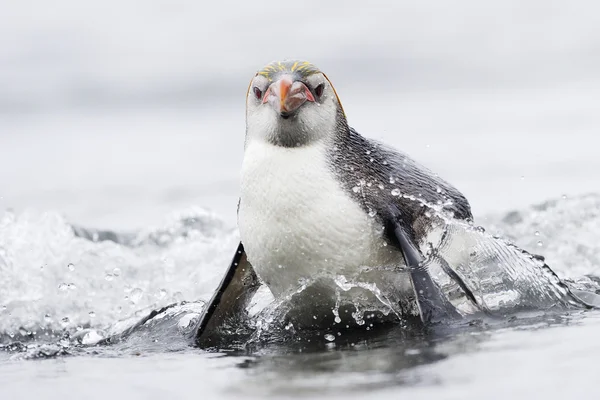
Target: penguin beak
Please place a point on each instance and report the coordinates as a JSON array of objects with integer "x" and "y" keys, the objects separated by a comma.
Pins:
[{"x": 286, "y": 96}]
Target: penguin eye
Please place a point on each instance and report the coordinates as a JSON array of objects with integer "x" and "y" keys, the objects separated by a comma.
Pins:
[
  {"x": 257, "y": 92},
  {"x": 319, "y": 90}
]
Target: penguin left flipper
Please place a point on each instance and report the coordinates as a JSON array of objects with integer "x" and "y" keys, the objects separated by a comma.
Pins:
[
  {"x": 231, "y": 298},
  {"x": 433, "y": 306}
]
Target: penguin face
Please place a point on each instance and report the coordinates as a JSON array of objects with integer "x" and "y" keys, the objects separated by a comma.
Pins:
[{"x": 291, "y": 104}]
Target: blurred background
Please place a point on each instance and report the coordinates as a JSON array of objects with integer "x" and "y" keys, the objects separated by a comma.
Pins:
[{"x": 118, "y": 112}]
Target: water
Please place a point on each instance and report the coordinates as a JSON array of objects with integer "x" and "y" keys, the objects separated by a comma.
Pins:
[
  {"x": 47, "y": 322},
  {"x": 129, "y": 120}
]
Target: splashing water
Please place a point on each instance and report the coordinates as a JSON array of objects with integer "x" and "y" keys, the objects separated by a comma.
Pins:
[
  {"x": 54, "y": 291},
  {"x": 53, "y": 277}
]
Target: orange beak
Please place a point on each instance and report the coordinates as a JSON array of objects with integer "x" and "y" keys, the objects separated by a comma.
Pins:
[
  {"x": 286, "y": 96},
  {"x": 284, "y": 89}
]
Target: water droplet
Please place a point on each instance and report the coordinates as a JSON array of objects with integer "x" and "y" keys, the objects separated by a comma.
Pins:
[
  {"x": 564, "y": 196},
  {"x": 356, "y": 189},
  {"x": 395, "y": 192},
  {"x": 337, "y": 319},
  {"x": 380, "y": 186},
  {"x": 92, "y": 314},
  {"x": 109, "y": 277},
  {"x": 136, "y": 295},
  {"x": 65, "y": 322},
  {"x": 371, "y": 159},
  {"x": 117, "y": 271},
  {"x": 392, "y": 180},
  {"x": 372, "y": 213},
  {"x": 71, "y": 286},
  {"x": 540, "y": 243},
  {"x": 522, "y": 177},
  {"x": 438, "y": 189},
  {"x": 47, "y": 318},
  {"x": 329, "y": 337},
  {"x": 537, "y": 233},
  {"x": 281, "y": 266},
  {"x": 368, "y": 152},
  {"x": 71, "y": 267},
  {"x": 63, "y": 287}
]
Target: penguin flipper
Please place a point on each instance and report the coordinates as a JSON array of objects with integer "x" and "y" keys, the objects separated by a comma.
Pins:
[
  {"x": 230, "y": 300},
  {"x": 433, "y": 306}
]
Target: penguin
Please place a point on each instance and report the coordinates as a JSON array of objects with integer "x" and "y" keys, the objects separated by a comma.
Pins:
[{"x": 318, "y": 199}]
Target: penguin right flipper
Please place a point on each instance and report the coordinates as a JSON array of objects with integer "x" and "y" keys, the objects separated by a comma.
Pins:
[
  {"x": 230, "y": 300},
  {"x": 433, "y": 305}
]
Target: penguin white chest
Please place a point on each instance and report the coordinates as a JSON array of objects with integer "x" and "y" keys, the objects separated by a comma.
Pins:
[{"x": 296, "y": 222}]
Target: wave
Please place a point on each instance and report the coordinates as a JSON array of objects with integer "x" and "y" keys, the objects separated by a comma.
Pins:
[{"x": 61, "y": 280}]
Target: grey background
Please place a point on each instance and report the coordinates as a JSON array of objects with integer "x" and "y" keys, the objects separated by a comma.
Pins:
[{"x": 118, "y": 112}]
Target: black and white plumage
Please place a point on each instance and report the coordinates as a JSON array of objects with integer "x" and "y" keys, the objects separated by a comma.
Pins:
[{"x": 317, "y": 198}]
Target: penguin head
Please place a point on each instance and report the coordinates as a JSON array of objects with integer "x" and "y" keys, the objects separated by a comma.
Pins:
[{"x": 292, "y": 104}]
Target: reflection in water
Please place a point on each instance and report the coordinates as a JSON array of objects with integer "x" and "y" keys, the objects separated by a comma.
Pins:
[{"x": 388, "y": 356}]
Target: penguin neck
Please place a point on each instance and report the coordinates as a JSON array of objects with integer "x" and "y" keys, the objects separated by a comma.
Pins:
[
  {"x": 290, "y": 137},
  {"x": 290, "y": 133}
]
